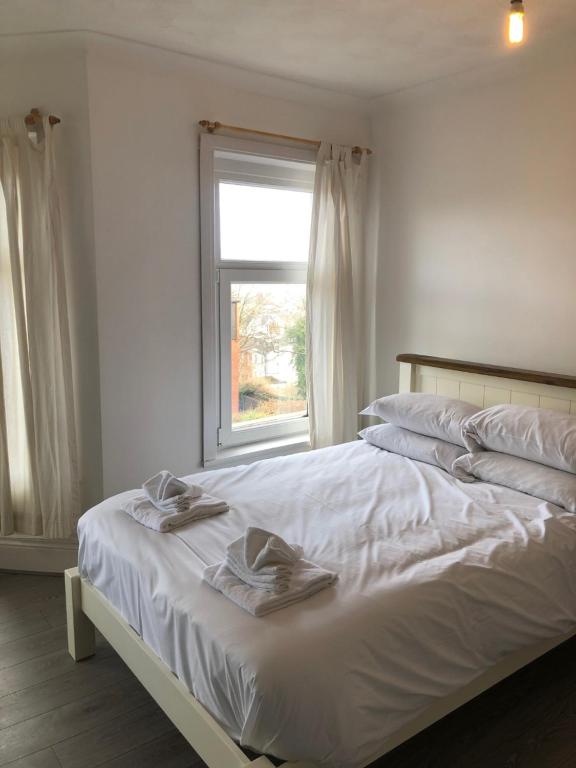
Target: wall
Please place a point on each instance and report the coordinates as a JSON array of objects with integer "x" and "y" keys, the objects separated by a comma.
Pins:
[
  {"x": 144, "y": 108},
  {"x": 48, "y": 71},
  {"x": 473, "y": 201},
  {"x": 478, "y": 217}
]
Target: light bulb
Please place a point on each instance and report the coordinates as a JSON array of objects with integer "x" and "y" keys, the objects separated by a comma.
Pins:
[{"x": 516, "y": 22}]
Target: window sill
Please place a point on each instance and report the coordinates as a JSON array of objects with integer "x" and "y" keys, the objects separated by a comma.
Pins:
[{"x": 267, "y": 449}]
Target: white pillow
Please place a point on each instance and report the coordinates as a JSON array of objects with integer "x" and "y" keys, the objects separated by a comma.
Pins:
[
  {"x": 536, "y": 434},
  {"x": 546, "y": 483},
  {"x": 431, "y": 415},
  {"x": 430, "y": 450}
]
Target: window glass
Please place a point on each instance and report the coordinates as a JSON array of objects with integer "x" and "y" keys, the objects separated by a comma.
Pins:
[
  {"x": 260, "y": 223},
  {"x": 268, "y": 354}
]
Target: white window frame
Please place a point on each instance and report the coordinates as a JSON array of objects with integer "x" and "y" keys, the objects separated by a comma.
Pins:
[{"x": 220, "y": 441}]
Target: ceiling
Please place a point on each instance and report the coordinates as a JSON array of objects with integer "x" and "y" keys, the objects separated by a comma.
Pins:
[{"x": 362, "y": 47}]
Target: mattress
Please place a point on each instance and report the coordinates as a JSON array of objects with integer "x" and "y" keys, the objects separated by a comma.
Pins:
[{"x": 438, "y": 580}]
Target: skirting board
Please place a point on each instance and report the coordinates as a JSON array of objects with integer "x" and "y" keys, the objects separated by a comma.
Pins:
[{"x": 35, "y": 554}]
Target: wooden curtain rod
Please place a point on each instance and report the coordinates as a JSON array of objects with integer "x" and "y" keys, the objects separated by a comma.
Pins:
[
  {"x": 35, "y": 118},
  {"x": 210, "y": 127}
]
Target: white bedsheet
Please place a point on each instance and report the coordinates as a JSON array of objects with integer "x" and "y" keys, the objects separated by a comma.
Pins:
[{"x": 438, "y": 580}]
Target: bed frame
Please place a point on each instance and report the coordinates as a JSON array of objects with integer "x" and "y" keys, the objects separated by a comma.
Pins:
[{"x": 87, "y": 608}]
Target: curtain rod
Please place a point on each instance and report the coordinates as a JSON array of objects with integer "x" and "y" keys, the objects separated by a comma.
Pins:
[
  {"x": 35, "y": 118},
  {"x": 210, "y": 127}
]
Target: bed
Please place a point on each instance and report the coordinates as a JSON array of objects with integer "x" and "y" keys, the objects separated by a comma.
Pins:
[{"x": 444, "y": 588}]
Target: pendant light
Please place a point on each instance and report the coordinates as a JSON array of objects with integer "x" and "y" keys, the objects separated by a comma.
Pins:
[{"x": 516, "y": 22}]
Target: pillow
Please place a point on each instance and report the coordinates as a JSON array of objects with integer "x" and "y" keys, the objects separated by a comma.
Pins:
[
  {"x": 430, "y": 450},
  {"x": 547, "y": 437},
  {"x": 546, "y": 483},
  {"x": 431, "y": 415}
]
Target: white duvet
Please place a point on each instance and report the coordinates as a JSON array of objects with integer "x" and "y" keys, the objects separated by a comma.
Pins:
[{"x": 438, "y": 580}]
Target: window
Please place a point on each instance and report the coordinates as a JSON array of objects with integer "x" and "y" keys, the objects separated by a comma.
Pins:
[{"x": 256, "y": 214}]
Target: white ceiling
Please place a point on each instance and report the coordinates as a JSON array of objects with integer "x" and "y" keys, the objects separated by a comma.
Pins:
[{"x": 362, "y": 47}]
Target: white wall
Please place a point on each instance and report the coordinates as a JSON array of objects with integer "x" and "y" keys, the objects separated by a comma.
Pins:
[
  {"x": 478, "y": 217},
  {"x": 48, "y": 71},
  {"x": 144, "y": 109},
  {"x": 474, "y": 202}
]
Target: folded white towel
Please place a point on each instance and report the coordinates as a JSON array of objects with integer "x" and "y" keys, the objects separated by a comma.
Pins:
[
  {"x": 262, "y": 559},
  {"x": 278, "y": 581},
  {"x": 144, "y": 512},
  {"x": 306, "y": 580},
  {"x": 263, "y": 549},
  {"x": 168, "y": 493}
]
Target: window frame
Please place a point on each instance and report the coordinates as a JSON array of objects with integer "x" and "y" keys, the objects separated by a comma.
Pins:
[{"x": 217, "y": 275}]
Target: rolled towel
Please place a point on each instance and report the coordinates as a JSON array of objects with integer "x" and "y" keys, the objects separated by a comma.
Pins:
[
  {"x": 145, "y": 513},
  {"x": 262, "y": 559},
  {"x": 168, "y": 493},
  {"x": 306, "y": 580}
]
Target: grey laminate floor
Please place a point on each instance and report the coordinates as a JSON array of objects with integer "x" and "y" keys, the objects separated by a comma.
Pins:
[{"x": 55, "y": 713}]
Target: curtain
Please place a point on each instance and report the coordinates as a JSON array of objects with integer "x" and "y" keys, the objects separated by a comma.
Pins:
[
  {"x": 334, "y": 296},
  {"x": 39, "y": 487}
]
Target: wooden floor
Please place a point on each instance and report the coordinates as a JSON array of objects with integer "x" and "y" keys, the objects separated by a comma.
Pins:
[{"x": 55, "y": 713}]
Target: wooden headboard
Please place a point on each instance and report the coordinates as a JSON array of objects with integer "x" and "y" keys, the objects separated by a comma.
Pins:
[{"x": 486, "y": 385}]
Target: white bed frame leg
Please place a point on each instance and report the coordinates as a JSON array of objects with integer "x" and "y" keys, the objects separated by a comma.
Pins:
[{"x": 81, "y": 633}]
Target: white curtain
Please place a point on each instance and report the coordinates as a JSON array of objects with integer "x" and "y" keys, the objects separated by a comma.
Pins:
[
  {"x": 39, "y": 493},
  {"x": 335, "y": 296}
]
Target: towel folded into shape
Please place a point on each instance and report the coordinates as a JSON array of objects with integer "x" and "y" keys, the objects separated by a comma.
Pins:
[
  {"x": 168, "y": 493},
  {"x": 198, "y": 507},
  {"x": 276, "y": 580},
  {"x": 262, "y": 550},
  {"x": 306, "y": 580},
  {"x": 262, "y": 559}
]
